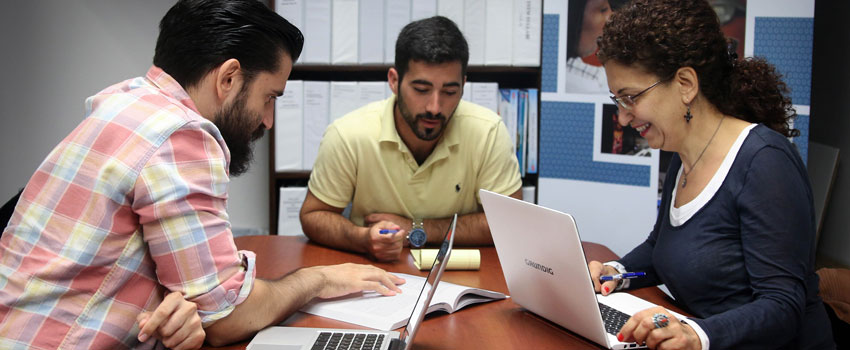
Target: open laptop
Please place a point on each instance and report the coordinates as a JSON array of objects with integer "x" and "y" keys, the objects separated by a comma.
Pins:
[
  {"x": 302, "y": 338},
  {"x": 545, "y": 268}
]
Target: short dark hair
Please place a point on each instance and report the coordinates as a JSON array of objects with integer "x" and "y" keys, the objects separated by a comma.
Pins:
[
  {"x": 430, "y": 40},
  {"x": 195, "y": 36}
]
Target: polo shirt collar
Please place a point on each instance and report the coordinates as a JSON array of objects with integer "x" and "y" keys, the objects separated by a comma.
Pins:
[{"x": 171, "y": 87}]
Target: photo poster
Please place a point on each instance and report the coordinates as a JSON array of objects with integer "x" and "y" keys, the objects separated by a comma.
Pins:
[{"x": 606, "y": 176}]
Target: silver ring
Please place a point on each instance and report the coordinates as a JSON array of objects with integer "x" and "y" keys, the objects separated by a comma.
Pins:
[{"x": 660, "y": 320}]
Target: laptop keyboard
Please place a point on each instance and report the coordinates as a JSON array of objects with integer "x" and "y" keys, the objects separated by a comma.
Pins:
[
  {"x": 614, "y": 319},
  {"x": 348, "y": 341}
]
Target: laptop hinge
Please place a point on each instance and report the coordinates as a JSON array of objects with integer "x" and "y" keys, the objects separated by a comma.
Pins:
[{"x": 397, "y": 344}]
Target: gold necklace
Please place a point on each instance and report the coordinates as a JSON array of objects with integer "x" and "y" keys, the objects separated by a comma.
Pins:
[{"x": 685, "y": 179}]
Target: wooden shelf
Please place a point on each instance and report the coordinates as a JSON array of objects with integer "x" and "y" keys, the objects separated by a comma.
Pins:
[{"x": 506, "y": 76}]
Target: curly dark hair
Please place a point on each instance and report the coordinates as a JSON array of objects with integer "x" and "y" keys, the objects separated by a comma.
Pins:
[{"x": 661, "y": 36}]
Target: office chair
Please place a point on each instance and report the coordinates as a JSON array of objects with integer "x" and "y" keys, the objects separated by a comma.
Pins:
[{"x": 7, "y": 210}]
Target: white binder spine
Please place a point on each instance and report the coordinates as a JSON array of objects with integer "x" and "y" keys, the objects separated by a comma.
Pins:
[
  {"x": 527, "y": 30},
  {"x": 316, "y": 115},
  {"x": 474, "y": 29},
  {"x": 344, "y": 32},
  {"x": 499, "y": 33},
  {"x": 371, "y": 40},
  {"x": 317, "y": 32},
  {"x": 289, "y": 116},
  {"x": 397, "y": 16}
]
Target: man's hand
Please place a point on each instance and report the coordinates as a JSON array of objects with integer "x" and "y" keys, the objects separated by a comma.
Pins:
[
  {"x": 175, "y": 322},
  {"x": 385, "y": 246},
  {"x": 374, "y": 218},
  {"x": 350, "y": 278}
]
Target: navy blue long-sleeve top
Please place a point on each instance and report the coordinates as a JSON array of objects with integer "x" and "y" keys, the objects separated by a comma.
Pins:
[{"x": 743, "y": 264}]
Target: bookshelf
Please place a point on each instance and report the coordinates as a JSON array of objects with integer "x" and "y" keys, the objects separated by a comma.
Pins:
[{"x": 506, "y": 76}]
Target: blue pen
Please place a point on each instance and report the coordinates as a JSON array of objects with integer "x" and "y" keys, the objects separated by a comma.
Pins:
[
  {"x": 627, "y": 275},
  {"x": 385, "y": 231}
]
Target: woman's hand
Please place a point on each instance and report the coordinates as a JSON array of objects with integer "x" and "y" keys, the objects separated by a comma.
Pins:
[
  {"x": 673, "y": 334},
  {"x": 597, "y": 270}
]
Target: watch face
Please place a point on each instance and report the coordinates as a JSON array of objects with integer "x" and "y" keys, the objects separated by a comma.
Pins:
[{"x": 417, "y": 237}]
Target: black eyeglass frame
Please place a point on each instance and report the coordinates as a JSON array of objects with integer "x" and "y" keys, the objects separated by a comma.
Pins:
[{"x": 627, "y": 102}]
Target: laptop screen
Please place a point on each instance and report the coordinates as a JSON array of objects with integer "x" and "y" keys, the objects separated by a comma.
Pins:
[{"x": 430, "y": 285}]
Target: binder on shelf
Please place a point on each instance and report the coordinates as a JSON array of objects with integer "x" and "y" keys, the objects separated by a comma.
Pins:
[
  {"x": 344, "y": 32},
  {"x": 527, "y": 29},
  {"x": 371, "y": 40},
  {"x": 345, "y": 95},
  {"x": 522, "y": 126},
  {"x": 498, "y": 37},
  {"x": 292, "y": 11},
  {"x": 420, "y": 9},
  {"x": 474, "y": 29},
  {"x": 317, "y": 32},
  {"x": 397, "y": 16},
  {"x": 289, "y": 116},
  {"x": 533, "y": 119},
  {"x": 316, "y": 114},
  {"x": 467, "y": 92},
  {"x": 453, "y": 10},
  {"x": 289, "y": 208},
  {"x": 487, "y": 95},
  {"x": 371, "y": 91},
  {"x": 528, "y": 193},
  {"x": 508, "y": 105}
]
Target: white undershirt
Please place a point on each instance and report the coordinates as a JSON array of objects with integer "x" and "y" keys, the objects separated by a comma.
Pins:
[{"x": 681, "y": 215}]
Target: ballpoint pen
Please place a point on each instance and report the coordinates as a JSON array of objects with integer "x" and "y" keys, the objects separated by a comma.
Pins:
[
  {"x": 619, "y": 276},
  {"x": 385, "y": 231}
]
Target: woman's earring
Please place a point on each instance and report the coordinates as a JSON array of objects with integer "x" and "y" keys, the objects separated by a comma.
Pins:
[{"x": 688, "y": 115}]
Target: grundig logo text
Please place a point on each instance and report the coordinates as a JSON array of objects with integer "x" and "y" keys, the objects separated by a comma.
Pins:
[{"x": 543, "y": 268}]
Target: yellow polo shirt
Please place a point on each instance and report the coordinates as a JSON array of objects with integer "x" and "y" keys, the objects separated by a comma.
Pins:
[{"x": 362, "y": 160}]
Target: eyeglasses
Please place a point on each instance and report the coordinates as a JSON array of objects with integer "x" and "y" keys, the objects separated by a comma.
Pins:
[{"x": 628, "y": 101}]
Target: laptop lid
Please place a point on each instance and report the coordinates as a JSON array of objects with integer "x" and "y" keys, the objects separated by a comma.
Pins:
[
  {"x": 544, "y": 264},
  {"x": 405, "y": 341}
]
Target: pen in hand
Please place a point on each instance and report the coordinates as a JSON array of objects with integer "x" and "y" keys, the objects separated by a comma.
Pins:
[
  {"x": 619, "y": 276},
  {"x": 385, "y": 231}
]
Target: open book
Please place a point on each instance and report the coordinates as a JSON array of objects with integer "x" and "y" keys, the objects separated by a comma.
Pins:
[{"x": 370, "y": 309}]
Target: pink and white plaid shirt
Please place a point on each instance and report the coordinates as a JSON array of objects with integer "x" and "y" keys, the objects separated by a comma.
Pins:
[{"x": 129, "y": 206}]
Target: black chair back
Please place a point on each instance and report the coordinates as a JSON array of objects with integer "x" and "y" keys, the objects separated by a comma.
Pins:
[{"x": 7, "y": 210}]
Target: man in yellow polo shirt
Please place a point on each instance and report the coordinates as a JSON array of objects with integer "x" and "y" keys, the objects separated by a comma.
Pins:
[{"x": 408, "y": 163}]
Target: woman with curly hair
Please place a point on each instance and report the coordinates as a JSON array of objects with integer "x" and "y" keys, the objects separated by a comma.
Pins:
[{"x": 734, "y": 237}]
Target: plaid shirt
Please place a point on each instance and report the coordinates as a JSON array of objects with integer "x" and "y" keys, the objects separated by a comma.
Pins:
[{"x": 129, "y": 206}]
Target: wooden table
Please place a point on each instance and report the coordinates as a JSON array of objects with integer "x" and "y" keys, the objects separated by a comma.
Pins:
[{"x": 500, "y": 324}]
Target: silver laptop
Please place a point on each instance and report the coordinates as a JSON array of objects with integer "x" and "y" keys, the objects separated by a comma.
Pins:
[
  {"x": 302, "y": 338},
  {"x": 546, "y": 271}
]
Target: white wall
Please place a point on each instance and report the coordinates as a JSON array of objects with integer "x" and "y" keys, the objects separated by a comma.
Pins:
[{"x": 55, "y": 53}]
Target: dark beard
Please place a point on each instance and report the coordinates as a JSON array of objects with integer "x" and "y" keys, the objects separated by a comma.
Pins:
[
  {"x": 426, "y": 134},
  {"x": 234, "y": 124}
]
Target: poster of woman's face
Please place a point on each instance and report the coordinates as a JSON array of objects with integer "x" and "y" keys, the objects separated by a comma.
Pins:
[
  {"x": 584, "y": 73},
  {"x": 585, "y": 19}
]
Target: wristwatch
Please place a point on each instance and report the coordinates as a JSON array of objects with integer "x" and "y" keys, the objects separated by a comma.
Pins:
[{"x": 417, "y": 236}]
